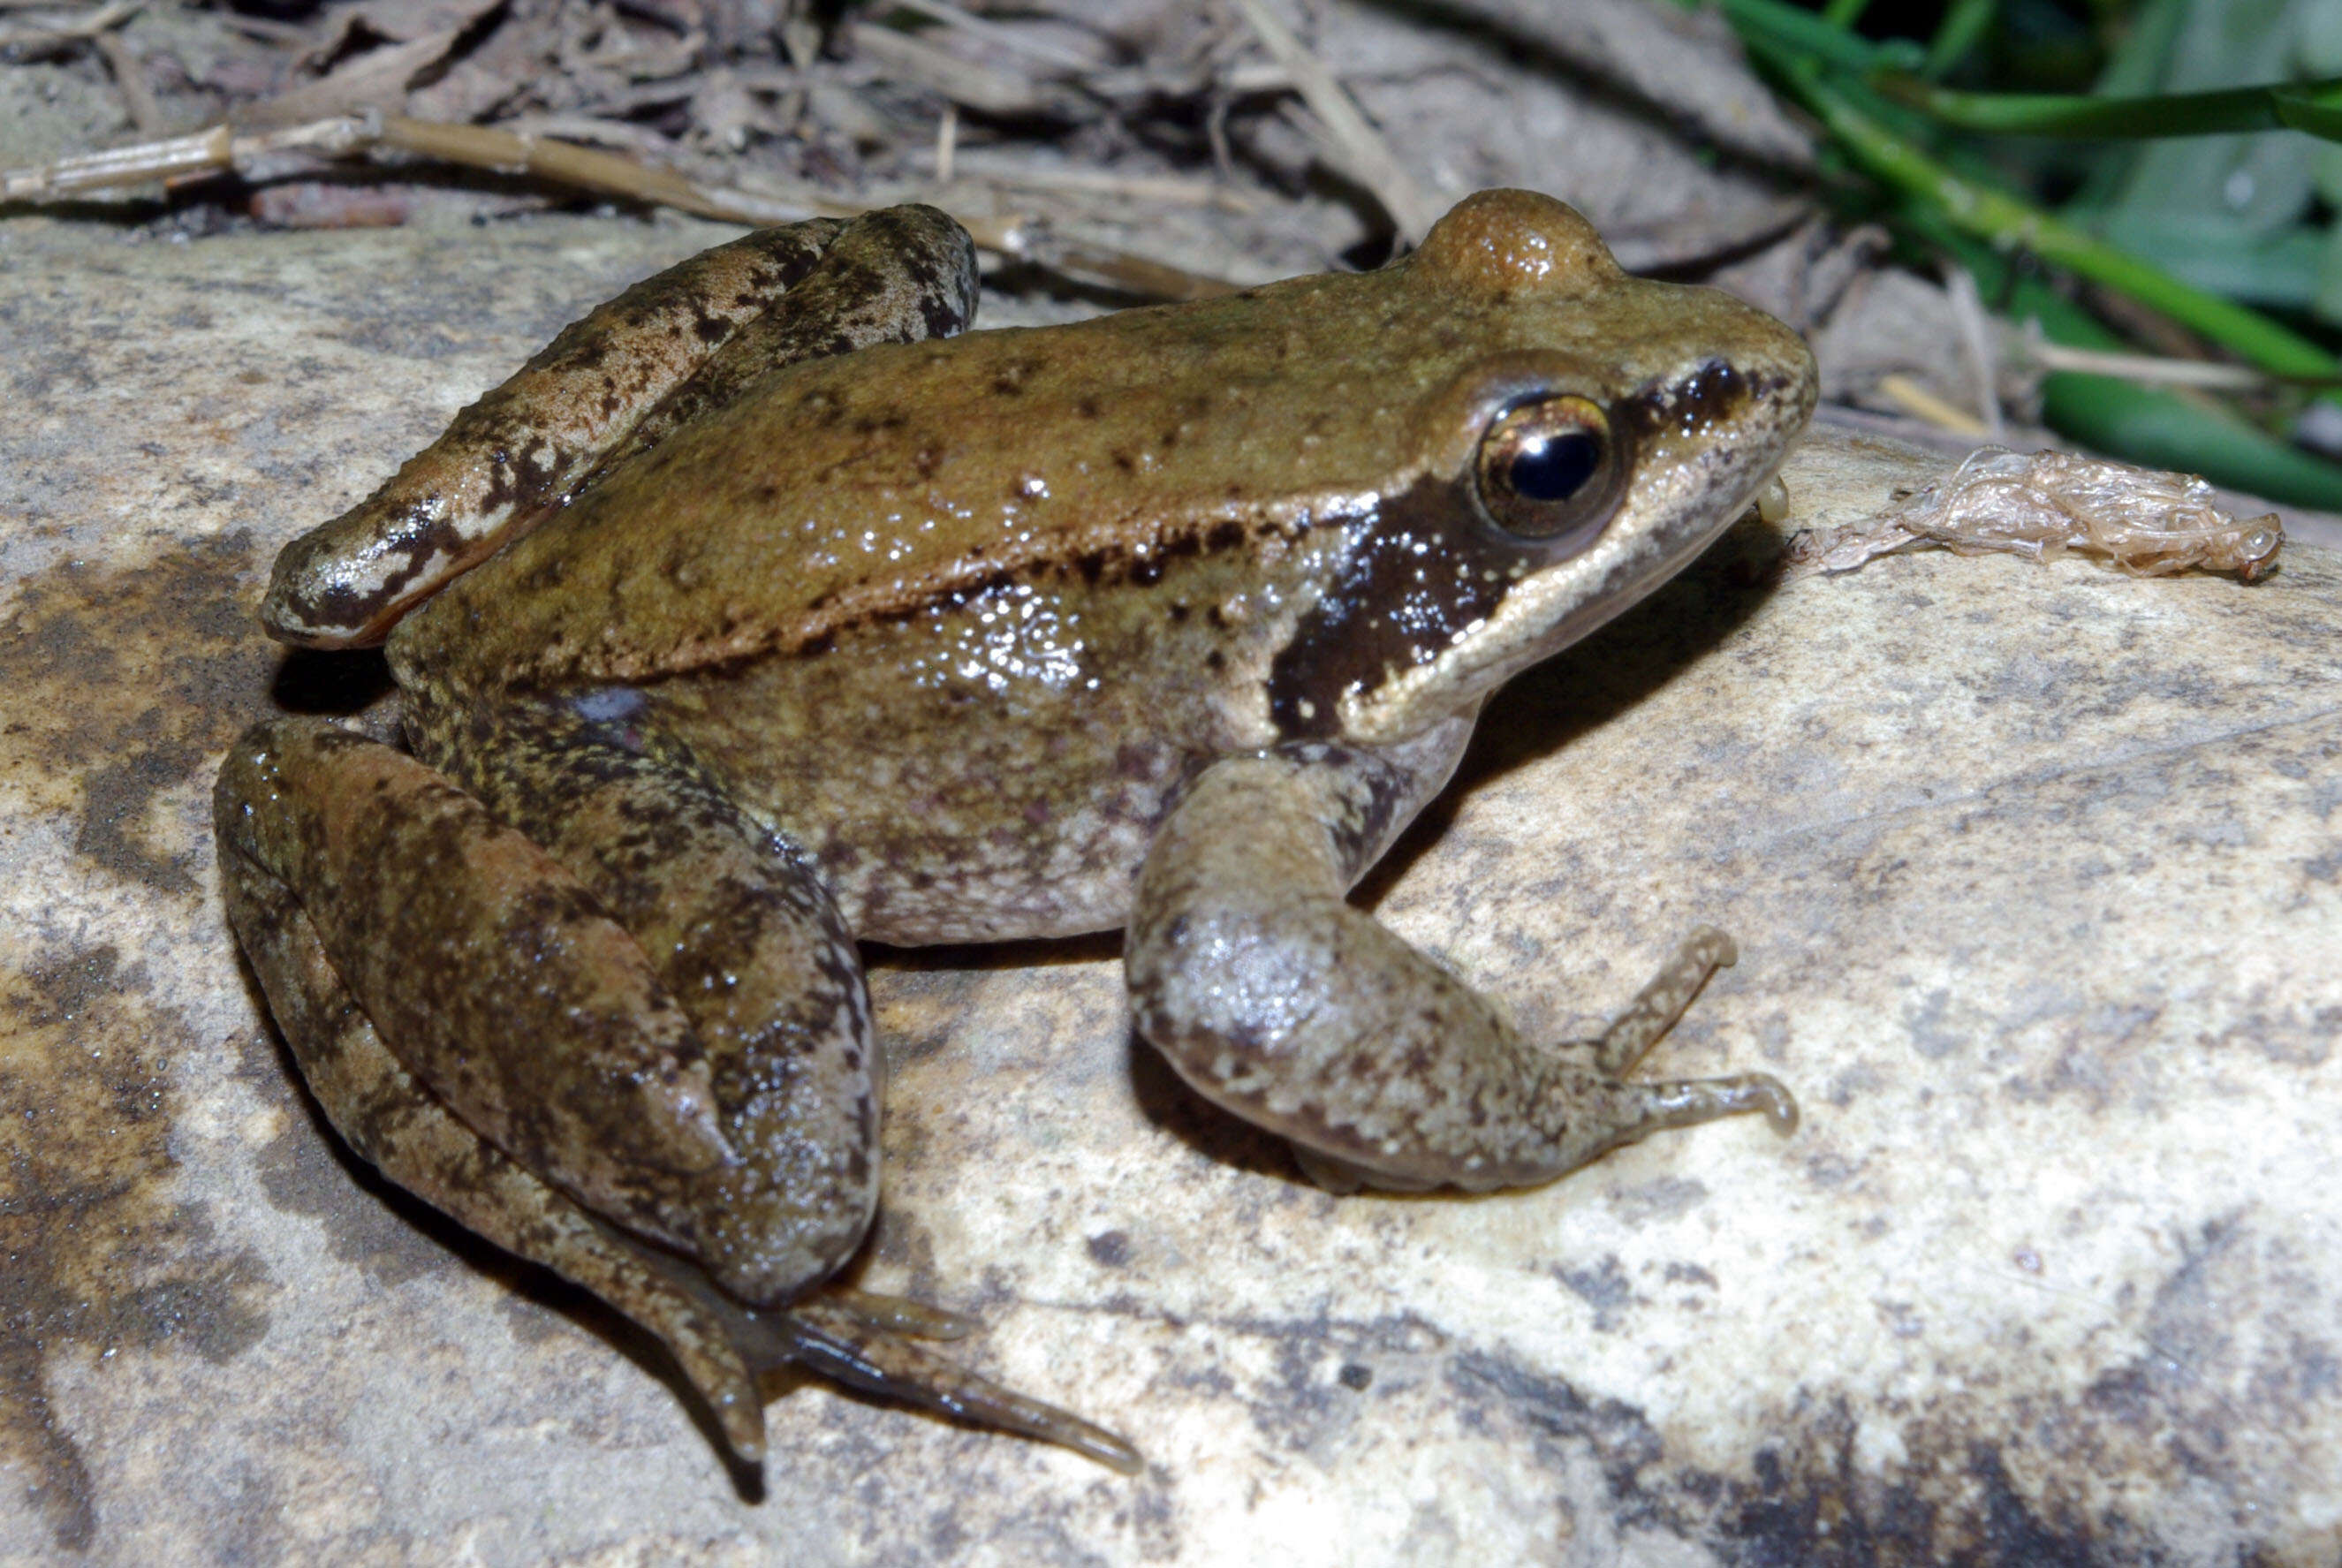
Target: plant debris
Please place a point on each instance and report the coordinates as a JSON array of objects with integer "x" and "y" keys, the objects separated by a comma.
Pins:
[
  {"x": 2147, "y": 522},
  {"x": 1108, "y": 151},
  {"x": 1152, "y": 148}
]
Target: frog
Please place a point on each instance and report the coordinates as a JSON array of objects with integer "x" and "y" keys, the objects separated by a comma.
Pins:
[{"x": 767, "y": 613}]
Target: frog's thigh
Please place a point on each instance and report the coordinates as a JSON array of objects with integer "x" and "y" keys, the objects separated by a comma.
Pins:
[
  {"x": 902, "y": 274},
  {"x": 403, "y": 1131},
  {"x": 499, "y": 980},
  {"x": 345, "y": 582},
  {"x": 738, "y": 929},
  {"x": 1274, "y": 997},
  {"x": 672, "y": 347}
]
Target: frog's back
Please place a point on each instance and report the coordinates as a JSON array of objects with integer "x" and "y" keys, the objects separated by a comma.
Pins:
[
  {"x": 960, "y": 618},
  {"x": 882, "y": 484}
]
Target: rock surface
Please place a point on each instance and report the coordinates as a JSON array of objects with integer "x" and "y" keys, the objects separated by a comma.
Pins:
[{"x": 2038, "y": 884}]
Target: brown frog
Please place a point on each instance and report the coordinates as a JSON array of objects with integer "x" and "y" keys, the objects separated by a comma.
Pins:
[{"x": 760, "y": 614}]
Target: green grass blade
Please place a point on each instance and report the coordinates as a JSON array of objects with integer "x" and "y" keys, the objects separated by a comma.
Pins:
[
  {"x": 2008, "y": 224},
  {"x": 1802, "y": 32},
  {"x": 1965, "y": 22},
  {"x": 2141, "y": 423},
  {"x": 2312, "y": 107}
]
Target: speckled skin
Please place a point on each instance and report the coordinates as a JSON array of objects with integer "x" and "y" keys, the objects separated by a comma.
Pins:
[{"x": 1169, "y": 620}]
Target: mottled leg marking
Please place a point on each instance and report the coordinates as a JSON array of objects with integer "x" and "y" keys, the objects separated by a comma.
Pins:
[
  {"x": 490, "y": 973},
  {"x": 670, "y": 348},
  {"x": 745, "y": 939},
  {"x": 396, "y": 1125},
  {"x": 410, "y": 945},
  {"x": 1274, "y": 997},
  {"x": 904, "y": 275}
]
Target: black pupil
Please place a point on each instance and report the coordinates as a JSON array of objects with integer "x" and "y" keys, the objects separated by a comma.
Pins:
[{"x": 1553, "y": 467}]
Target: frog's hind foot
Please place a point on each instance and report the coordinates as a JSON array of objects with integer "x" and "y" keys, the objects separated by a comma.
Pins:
[{"x": 841, "y": 1338}]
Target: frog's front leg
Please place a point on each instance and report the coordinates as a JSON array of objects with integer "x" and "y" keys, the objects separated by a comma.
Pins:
[
  {"x": 612, "y": 385},
  {"x": 612, "y": 1024},
  {"x": 1275, "y": 998}
]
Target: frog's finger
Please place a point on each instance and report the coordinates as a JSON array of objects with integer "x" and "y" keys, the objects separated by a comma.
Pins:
[
  {"x": 1275, "y": 998},
  {"x": 491, "y": 975},
  {"x": 525, "y": 448},
  {"x": 740, "y": 931},
  {"x": 399, "y": 1127},
  {"x": 841, "y": 1346},
  {"x": 1656, "y": 1007}
]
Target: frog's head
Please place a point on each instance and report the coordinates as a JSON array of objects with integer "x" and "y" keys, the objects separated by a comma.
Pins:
[{"x": 1591, "y": 436}]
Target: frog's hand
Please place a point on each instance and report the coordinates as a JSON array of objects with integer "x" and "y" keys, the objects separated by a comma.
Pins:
[
  {"x": 1275, "y": 998},
  {"x": 401, "y": 1129},
  {"x": 672, "y": 347}
]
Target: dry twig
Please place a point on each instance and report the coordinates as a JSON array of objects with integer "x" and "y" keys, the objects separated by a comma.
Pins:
[
  {"x": 36, "y": 43},
  {"x": 1352, "y": 144},
  {"x": 219, "y": 150},
  {"x": 1065, "y": 60},
  {"x": 2147, "y": 369}
]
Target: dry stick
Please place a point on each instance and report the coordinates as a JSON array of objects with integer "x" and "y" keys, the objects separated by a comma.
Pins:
[
  {"x": 2150, "y": 370},
  {"x": 591, "y": 130},
  {"x": 947, "y": 143},
  {"x": 130, "y": 81},
  {"x": 80, "y": 30},
  {"x": 1356, "y": 146},
  {"x": 204, "y": 153},
  {"x": 1977, "y": 338},
  {"x": 1006, "y": 37},
  {"x": 1923, "y": 405},
  {"x": 581, "y": 168}
]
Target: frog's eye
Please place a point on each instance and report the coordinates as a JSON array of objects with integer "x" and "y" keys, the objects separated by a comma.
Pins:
[{"x": 1547, "y": 467}]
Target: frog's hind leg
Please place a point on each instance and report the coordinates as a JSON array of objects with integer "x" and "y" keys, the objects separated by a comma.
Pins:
[
  {"x": 407, "y": 1132},
  {"x": 476, "y": 1024},
  {"x": 672, "y": 347},
  {"x": 746, "y": 937},
  {"x": 613, "y": 996},
  {"x": 487, "y": 971},
  {"x": 740, "y": 931}
]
